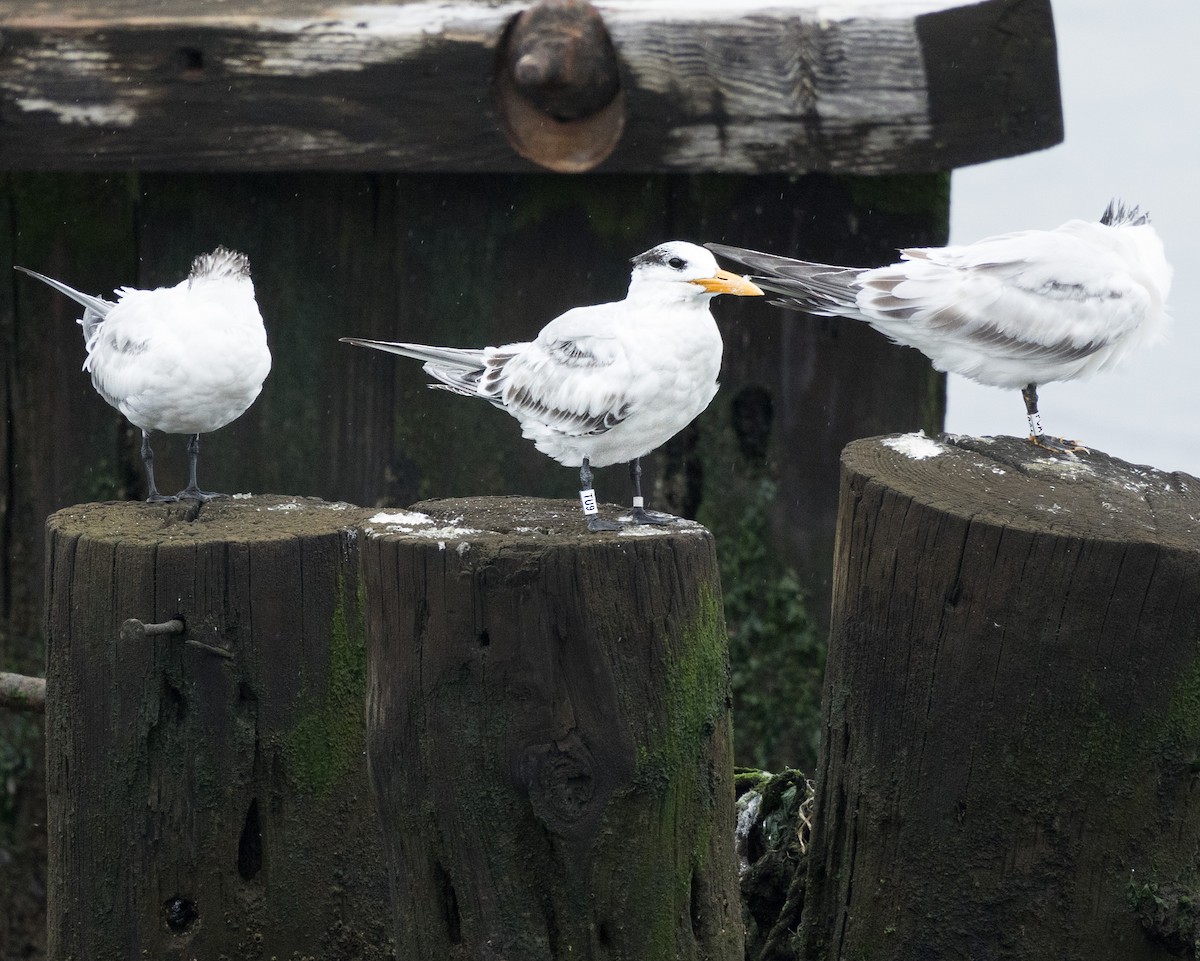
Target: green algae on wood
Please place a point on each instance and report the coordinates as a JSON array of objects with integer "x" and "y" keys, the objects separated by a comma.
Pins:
[{"x": 329, "y": 739}]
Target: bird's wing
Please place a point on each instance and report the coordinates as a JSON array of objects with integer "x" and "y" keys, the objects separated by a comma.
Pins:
[
  {"x": 447, "y": 356},
  {"x": 575, "y": 378},
  {"x": 1033, "y": 294},
  {"x": 821, "y": 289},
  {"x": 118, "y": 347},
  {"x": 95, "y": 308},
  {"x": 458, "y": 369},
  {"x": 97, "y": 304}
]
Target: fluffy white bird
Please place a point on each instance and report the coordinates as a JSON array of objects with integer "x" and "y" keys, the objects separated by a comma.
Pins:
[
  {"x": 186, "y": 359},
  {"x": 1014, "y": 310},
  {"x": 608, "y": 383}
]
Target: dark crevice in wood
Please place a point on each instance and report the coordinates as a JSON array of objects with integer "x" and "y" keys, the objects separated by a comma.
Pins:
[
  {"x": 190, "y": 62},
  {"x": 174, "y": 702},
  {"x": 250, "y": 844},
  {"x": 695, "y": 906},
  {"x": 180, "y": 914},
  {"x": 448, "y": 900},
  {"x": 552, "y": 934}
]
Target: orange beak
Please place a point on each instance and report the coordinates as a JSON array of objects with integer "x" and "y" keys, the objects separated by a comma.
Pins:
[{"x": 727, "y": 282}]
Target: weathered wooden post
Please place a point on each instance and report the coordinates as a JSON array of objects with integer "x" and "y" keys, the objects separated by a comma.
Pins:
[
  {"x": 207, "y": 788},
  {"x": 548, "y": 733},
  {"x": 1012, "y": 709}
]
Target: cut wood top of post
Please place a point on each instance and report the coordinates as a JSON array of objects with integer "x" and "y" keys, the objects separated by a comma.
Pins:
[
  {"x": 447, "y": 522},
  {"x": 784, "y": 86},
  {"x": 463, "y": 520},
  {"x": 1008, "y": 482},
  {"x": 240, "y": 518}
]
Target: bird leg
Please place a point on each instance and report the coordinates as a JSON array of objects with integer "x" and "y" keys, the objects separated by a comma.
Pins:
[
  {"x": 587, "y": 496},
  {"x": 148, "y": 463},
  {"x": 193, "y": 491},
  {"x": 1056, "y": 445},
  {"x": 640, "y": 514}
]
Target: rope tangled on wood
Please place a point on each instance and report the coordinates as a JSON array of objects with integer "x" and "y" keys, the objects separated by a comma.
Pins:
[{"x": 774, "y": 850}]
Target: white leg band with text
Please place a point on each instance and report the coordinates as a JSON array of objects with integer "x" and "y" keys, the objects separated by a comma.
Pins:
[{"x": 588, "y": 499}]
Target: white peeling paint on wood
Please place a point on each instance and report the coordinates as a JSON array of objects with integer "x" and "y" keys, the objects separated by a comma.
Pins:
[
  {"x": 110, "y": 101},
  {"x": 84, "y": 114},
  {"x": 725, "y": 10},
  {"x": 351, "y": 38}
]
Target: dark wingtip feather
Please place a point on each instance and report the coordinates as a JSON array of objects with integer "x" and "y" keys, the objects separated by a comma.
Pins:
[{"x": 1118, "y": 214}]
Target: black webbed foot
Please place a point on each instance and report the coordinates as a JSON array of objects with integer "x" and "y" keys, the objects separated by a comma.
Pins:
[{"x": 193, "y": 493}]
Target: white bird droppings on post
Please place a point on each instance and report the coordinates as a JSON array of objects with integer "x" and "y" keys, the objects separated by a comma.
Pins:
[
  {"x": 418, "y": 524},
  {"x": 915, "y": 446},
  {"x": 401, "y": 518}
]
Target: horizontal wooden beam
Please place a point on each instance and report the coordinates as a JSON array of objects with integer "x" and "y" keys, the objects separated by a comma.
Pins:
[{"x": 843, "y": 86}]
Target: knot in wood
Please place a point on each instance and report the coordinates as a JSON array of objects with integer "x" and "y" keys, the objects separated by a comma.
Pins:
[
  {"x": 561, "y": 783},
  {"x": 559, "y": 87}
]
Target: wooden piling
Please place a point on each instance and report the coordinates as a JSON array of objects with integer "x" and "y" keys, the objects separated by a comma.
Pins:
[
  {"x": 549, "y": 735},
  {"x": 207, "y": 786},
  {"x": 1012, "y": 708}
]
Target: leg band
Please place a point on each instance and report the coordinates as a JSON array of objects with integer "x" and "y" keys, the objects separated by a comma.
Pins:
[{"x": 588, "y": 499}]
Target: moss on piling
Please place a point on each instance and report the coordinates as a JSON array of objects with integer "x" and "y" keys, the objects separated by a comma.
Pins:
[
  {"x": 697, "y": 692},
  {"x": 329, "y": 739}
]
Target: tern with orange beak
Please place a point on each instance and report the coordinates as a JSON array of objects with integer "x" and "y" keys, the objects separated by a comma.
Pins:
[{"x": 608, "y": 383}]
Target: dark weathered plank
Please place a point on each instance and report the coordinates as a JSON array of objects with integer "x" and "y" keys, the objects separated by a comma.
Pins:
[
  {"x": 208, "y": 805},
  {"x": 1011, "y": 732},
  {"x": 850, "y": 86},
  {"x": 549, "y": 735}
]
